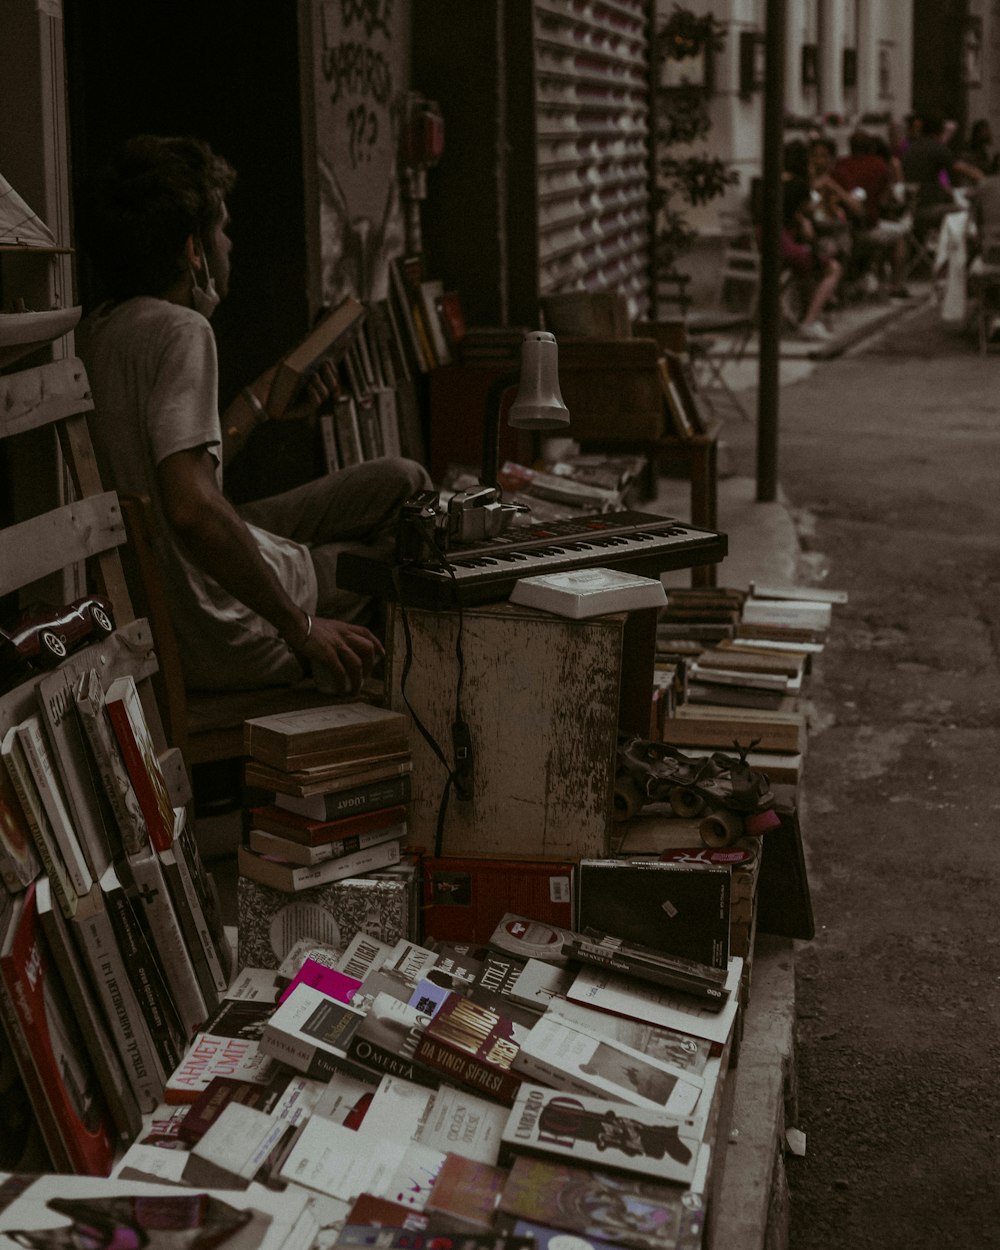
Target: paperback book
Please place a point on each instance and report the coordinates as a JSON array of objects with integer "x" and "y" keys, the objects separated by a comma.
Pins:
[
  {"x": 19, "y": 862},
  {"x": 49, "y": 1048},
  {"x": 573, "y": 1059},
  {"x": 593, "y": 1131},
  {"x": 474, "y": 1046},
  {"x": 630, "y": 1211},
  {"x": 227, "y": 1045},
  {"x": 307, "y": 831},
  {"x": 292, "y": 878},
  {"x": 349, "y": 800},
  {"x": 581, "y": 593},
  {"x": 310, "y": 1032},
  {"x": 675, "y": 909},
  {"x": 328, "y": 734},
  {"x": 128, "y": 721}
]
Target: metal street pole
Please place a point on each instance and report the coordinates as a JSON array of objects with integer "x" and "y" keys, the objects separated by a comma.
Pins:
[{"x": 768, "y": 385}]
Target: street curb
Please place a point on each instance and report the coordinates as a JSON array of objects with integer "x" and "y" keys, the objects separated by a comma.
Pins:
[{"x": 751, "y": 1206}]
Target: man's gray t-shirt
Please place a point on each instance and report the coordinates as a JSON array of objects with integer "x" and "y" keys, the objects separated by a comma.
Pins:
[{"x": 154, "y": 374}]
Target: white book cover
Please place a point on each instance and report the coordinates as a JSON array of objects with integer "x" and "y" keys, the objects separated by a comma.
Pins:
[
  {"x": 812, "y": 594},
  {"x": 343, "y": 1099},
  {"x": 363, "y": 954},
  {"x": 410, "y": 1184},
  {"x": 334, "y": 1160},
  {"x": 234, "y": 1147},
  {"x": 310, "y": 1030},
  {"x": 36, "y": 752},
  {"x": 592, "y": 1132},
  {"x": 681, "y": 1049},
  {"x": 110, "y": 763},
  {"x": 655, "y": 1004},
  {"x": 802, "y": 614},
  {"x": 579, "y": 593},
  {"x": 573, "y": 1059},
  {"x": 26, "y": 792},
  {"x": 460, "y": 1122},
  {"x": 397, "y": 1109}
]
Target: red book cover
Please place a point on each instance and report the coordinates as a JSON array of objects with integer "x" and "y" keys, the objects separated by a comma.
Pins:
[
  {"x": 465, "y": 1194},
  {"x": 465, "y": 899},
  {"x": 286, "y": 824},
  {"x": 50, "y": 1050},
  {"x": 141, "y": 760},
  {"x": 474, "y": 1046}
]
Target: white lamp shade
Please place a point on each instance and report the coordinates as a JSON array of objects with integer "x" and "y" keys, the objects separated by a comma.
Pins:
[{"x": 539, "y": 402}]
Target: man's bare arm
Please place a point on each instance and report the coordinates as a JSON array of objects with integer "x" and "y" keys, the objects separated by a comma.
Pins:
[{"x": 217, "y": 539}]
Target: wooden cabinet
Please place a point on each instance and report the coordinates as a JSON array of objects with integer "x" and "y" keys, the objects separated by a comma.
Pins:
[{"x": 544, "y": 698}]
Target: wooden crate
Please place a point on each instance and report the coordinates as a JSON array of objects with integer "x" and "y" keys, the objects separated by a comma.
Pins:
[{"x": 541, "y": 696}]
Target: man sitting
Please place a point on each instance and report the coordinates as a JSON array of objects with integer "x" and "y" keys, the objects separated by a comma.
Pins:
[
  {"x": 869, "y": 178},
  {"x": 930, "y": 164},
  {"x": 252, "y": 592}
]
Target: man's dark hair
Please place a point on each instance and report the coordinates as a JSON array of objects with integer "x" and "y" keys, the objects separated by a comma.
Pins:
[
  {"x": 863, "y": 143},
  {"x": 141, "y": 208}
]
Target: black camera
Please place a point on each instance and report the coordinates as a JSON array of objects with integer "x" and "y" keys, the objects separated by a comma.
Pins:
[{"x": 418, "y": 532}]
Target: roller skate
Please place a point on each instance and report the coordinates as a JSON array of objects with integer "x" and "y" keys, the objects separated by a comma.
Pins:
[{"x": 731, "y": 798}]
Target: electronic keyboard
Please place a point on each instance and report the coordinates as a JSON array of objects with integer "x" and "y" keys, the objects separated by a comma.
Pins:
[{"x": 636, "y": 542}]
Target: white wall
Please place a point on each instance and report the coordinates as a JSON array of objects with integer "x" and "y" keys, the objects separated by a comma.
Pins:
[{"x": 880, "y": 30}]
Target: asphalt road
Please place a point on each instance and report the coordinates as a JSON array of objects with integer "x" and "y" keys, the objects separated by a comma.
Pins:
[{"x": 890, "y": 459}]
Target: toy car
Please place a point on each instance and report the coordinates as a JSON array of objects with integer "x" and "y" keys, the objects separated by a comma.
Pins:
[
  {"x": 731, "y": 797},
  {"x": 44, "y": 635}
]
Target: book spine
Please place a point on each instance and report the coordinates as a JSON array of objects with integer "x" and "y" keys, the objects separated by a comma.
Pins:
[
  {"x": 128, "y": 721},
  {"x": 153, "y": 896},
  {"x": 392, "y": 792},
  {"x": 48, "y": 852},
  {"x": 190, "y": 900},
  {"x": 37, "y": 755},
  {"x": 379, "y": 1060},
  {"x": 147, "y": 980},
  {"x": 73, "y": 765},
  {"x": 175, "y": 886},
  {"x": 305, "y": 1057},
  {"x": 106, "y": 1060},
  {"x": 33, "y": 1084},
  {"x": 266, "y": 843},
  {"x": 644, "y": 970},
  {"x": 499, "y": 1084},
  {"x": 111, "y": 768},
  {"x": 293, "y": 879},
  {"x": 143, "y": 1068}
]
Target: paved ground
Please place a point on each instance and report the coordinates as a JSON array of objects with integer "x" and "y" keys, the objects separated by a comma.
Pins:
[{"x": 889, "y": 458}]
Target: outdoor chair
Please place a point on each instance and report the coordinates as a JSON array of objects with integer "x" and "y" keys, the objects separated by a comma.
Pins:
[{"x": 718, "y": 333}]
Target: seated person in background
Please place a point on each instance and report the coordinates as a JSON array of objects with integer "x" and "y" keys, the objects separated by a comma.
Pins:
[
  {"x": 834, "y": 209},
  {"x": 252, "y": 592},
  {"x": 869, "y": 178},
  {"x": 979, "y": 150},
  {"x": 927, "y": 162},
  {"x": 817, "y": 276}
]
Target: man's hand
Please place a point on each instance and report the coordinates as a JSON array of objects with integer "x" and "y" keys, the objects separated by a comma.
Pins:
[
  {"x": 321, "y": 385},
  {"x": 349, "y": 652}
]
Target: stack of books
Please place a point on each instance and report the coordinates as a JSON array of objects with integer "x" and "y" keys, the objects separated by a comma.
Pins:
[
  {"x": 330, "y": 839},
  {"x": 506, "y": 1091},
  {"x": 112, "y": 950},
  {"x": 736, "y": 661}
]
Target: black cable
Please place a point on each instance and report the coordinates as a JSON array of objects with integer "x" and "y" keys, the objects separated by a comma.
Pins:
[{"x": 459, "y": 729}]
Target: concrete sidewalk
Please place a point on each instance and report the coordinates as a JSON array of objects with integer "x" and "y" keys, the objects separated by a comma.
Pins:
[{"x": 750, "y": 1207}]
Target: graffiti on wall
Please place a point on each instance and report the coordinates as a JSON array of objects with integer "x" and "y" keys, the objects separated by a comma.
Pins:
[{"x": 359, "y": 49}]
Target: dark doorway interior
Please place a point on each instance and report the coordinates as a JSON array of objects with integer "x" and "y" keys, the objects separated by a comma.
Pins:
[{"x": 227, "y": 72}]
